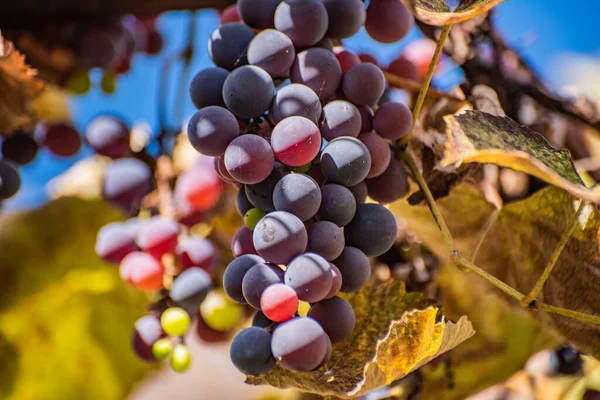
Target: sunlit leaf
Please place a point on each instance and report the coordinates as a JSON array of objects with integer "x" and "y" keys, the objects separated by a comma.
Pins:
[
  {"x": 65, "y": 317},
  {"x": 396, "y": 332},
  {"x": 18, "y": 85},
  {"x": 437, "y": 12},
  {"x": 479, "y": 137}
]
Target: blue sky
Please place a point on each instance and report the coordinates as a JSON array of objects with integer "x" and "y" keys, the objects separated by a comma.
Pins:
[{"x": 543, "y": 30}]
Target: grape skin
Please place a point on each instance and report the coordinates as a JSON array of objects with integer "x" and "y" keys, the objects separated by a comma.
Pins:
[
  {"x": 298, "y": 194},
  {"x": 242, "y": 242},
  {"x": 360, "y": 192},
  {"x": 234, "y": 274},
  {"x": 190, "y": 288},
  {"x": 126, "y": 182},
  {"x": 346, "y": 17},
  {"x": 10, "y": 180},
  {"x": 295, "y": 100},
  {"x": 326, "y": 239},
  {"x": 250, "y": 351},
  {"x": 373, "y": 230},
  {"x": 260, "y": 195},
  {"x": 228, "y": 44},
  {"x": 199, "y": 187},
  {"x": 392, "y": 120},
  {"x": 310, "y": 276},
  {"x": 142, "y": 271},
  {"x": 379, "y": 150},
  {"x": 337, "y": 205},
  {"x": 115, "y": 241},
  {"x": 299, "y": 344},
  {"x": 249, "y": 159},
  {"x": 296, "y": 141},
  {"x": 108, "y": 136},
  {"x": 242, "y": 204},
  {"x": 364, "y": 84},
  {"x": 248, "y": 91},
  {"x": 340, "y": 118},
  {"x": 404, "y": 68},
  {"x": 347, "y": 58},
  {"x": 366, "y": 117},
  {"x": 303, "y": 21},
  {"x": 355, "y": 269},
  {"x": 335, "y": 316},
  {"x": 346, "y": 161},
  {"x": 159, "y": 236},
  {"x": 279, "y": 302},
  {"x": 273, "y": 51},
  {"x": 206, "y": 88},
  {"x": 146, "y": 332},
  {"x": 258, "y": 13},
  {"x": 388, "y": 21},
  {"x": 336, "y": 283},
  {"x": 318, "y": 69},
  {"x": 257, "y": 279},
  {"x": 20, "y": 148},
  {"x": 211, "y": 129},
  {"x": 279, "y": 237},
  {"x": 260, "y": 320},
  {"x": 390, "y": 186},
  {"x": 196, "y": 251}
]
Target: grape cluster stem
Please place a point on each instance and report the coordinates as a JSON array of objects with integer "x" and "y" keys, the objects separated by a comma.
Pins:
[{"x": 527, "y": 301}]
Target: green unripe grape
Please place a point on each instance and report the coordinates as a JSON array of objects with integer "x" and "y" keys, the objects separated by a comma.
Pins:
[
  {"x": 162, "y": 348},
  {"x": 181, "y": 359},
  {"x": 302, "y": 169},
  {"x": 175, "y": 321},
  {"x": 108, "y": 83},
  {"x": 220, "y": 313},
  {"x": 79, "y": 82},
  {"x": 252, "y": 217}
]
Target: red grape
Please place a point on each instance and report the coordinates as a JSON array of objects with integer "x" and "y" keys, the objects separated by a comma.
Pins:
[
  {"x": 279, "y": 302},
  {"x": 142, "y": 271}
]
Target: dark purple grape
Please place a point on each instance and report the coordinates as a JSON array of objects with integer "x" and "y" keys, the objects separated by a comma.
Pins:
[
  {"x": 108, "y": 136},
  {"x": 326, "y": 239},
  {"x": 336, "y": 318},
  {"x": 388, "y": 21},
  {"x": 250, "y": 351},
  {"x": 62, "y": 139},
  {"x": 243, "y": 242},
  {"x": 304, "y": 21},
  {"x": 295, "y": 100},
  {"x": 298, "y": 194},
  {"x": 318, "y": 69},
  {"x": 257, "y": 279},
  {"x": 206, "y": 88},
  {"x": 340, "y": 118},
  {"x": 115, "y": 241},
  {"x": 196, "y": 251},
  {"x": 190, "y": 288},
  {"x": 126, "y": 182},
  {"x": 360, "y": 192},
  {"x": 364, "y": 84},
  {"x": 234, "y": 275},
  {"x": 228, "y": 45},
  {"x": 147, "y": 331},
  {"x": 242, "y": 204},
  {"x": 279, "y": 237},
  {"x": 346, "y": 161},
  {"x": 336, "y": 283},
  {"x": 355, "y": 269},
  {"x": 20, "y": 148},
  {"x": 260, "y": 320},
  {"x": 10, "y": 180},
  {"x": 211, "y": 129},
  {"x": 337, "y": 204},
  {"x": 248, "y": 91},
  {"x": 299, "y": 344},
  {"x": 272, "y": 51},
  {"x": 379, "y": 150},
  {"x": 392, "y": 120},
  {"x": 310, "y": 276},
  {"x": 366, "y": 117},
  {"x": 260, "y": 195},
  {"x": 258, "y": 13},
  {"x": 249, "y": 159},
  {"x": 390, "y": 186},
  {"x": 324, "y": 43},
  {"x": 373, "y": 230},
  {"x": 346, "y": 17}
]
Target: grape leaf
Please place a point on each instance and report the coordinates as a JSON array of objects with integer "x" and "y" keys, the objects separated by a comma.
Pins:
[
  {"x": 437, "y": 12},
  {"x": 519, "y": 244},
  {"x": 65, "y": 317},
  {"x": 480, "y": 137},
  {"x": 379, "y": 351},
  {"x": 18, "y": 85}
]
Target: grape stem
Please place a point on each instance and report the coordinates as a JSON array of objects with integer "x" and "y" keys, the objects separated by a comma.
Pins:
[
  {"x": 426, "y": 83},
  {"x": 457, "y": 258}
]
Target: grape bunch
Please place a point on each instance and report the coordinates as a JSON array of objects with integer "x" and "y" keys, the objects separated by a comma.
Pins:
[{"x": 295, "y": 123}]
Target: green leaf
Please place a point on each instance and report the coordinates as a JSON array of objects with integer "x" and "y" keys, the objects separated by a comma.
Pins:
[
  {"x": 396, "y": 332},
  {"x": 480, "y": 137},
  {"x": 66, "y": 317},
  {"x": 518, "y": 246},
  {"x": 437, "y": 12}
]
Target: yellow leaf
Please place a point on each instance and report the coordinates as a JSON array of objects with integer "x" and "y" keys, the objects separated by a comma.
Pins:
[
  {"x": 396, "y": 332},
  {"x": 437, "y": 12}
]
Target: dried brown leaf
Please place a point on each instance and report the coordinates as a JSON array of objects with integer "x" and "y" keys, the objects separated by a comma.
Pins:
[{"x": 437, "y": 12}]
